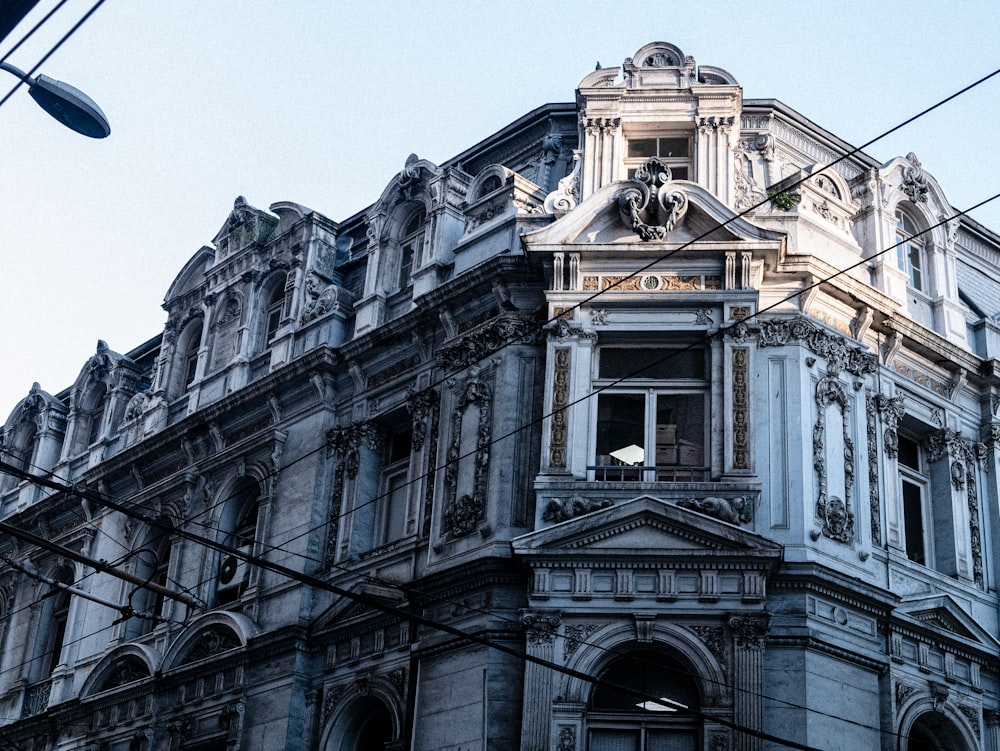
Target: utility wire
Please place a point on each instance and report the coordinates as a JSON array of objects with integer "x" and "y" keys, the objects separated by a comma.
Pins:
[
  {"x": 33, "y": 29},
  {"x": 234, "y": 551},
  {"x": 52, "y": 51}
]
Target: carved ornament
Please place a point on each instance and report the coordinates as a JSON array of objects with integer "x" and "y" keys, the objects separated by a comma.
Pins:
[
  {"x": 839, "y": 353},
  {"x": 559, "y": 509},
  {"x": 489, "y": 337},
  {"x": 646, "y": 205},
  {"x": 737, "y": 510}
]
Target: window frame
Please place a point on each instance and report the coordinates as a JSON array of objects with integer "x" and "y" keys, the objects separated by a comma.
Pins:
[
  {"x": 687, "y": 162},
  {"x": 411, "y": 239},
  {"x": 910, "y": 246},
  {"x": 652, "y": 389},
  {"x": 917, "y": 476},
  {"x": 392, "y": 506}
]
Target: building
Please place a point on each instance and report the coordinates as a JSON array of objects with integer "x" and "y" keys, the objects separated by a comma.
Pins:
[{"x": 663, "y": 388}]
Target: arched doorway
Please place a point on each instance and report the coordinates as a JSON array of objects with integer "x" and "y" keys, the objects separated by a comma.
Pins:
[
  {"x": 365, "y": 725},
  {"x": 620, "y": 721},
  {"x": 932, "y": 731}
]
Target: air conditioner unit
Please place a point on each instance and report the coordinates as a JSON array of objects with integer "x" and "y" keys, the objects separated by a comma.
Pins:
[{"x": 233, "y": 570}]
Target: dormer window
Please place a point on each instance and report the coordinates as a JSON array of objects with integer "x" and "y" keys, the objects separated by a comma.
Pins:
[
  {"x": 273, "y": 312},
  {"x": 673, "y": 150},
  {"x": 910, "y": 253}
]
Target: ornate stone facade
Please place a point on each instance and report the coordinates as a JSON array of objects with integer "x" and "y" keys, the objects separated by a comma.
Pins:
[{"x": 628, "y": 425}]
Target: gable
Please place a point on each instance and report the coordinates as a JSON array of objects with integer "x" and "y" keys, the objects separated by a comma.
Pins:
[
  {"x": 646, "y": 526},
  {"x": 603, "y": 219},
  {"x": 941, "y": 613}
]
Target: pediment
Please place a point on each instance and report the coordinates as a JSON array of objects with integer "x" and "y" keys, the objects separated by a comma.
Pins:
[
  {"x": 346, "y": 610},
  {"x": 941, "y": 613},
  {"x": 599, "y": 221},
  {"x": 646, "y": 526}
]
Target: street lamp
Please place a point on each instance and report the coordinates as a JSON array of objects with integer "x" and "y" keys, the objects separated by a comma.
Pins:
[{"x": 65, "y": 103}]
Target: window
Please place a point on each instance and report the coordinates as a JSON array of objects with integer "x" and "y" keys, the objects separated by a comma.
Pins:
[
  {"x": 652, "y": 418},
  {"x": 52, "y": 626},
  {"x": 409, "y": 248},
  {"x": 273, "y": 312},
  {"x": 674, "y": 151},
  {"x": 390, "y": 519},
  {"x": 152, "y": 564},
  {"x": 910, "y": 256},
  {"x": 239, "y": 527},
  {"x": 915, "y": 492},
  {"x": 617, "y": 721}
]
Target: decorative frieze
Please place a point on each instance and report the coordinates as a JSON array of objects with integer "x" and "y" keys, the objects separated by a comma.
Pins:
[
  {"x": 651, "y": 282},
  {"x": 561, "y": 509},
  {"x": 490, "y": 337},
  {"x": 839, "y": 353},
  {"x": 737, "y": 510}
]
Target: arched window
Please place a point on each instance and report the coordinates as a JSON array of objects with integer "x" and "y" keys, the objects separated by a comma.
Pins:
[
  {"x": 410, "y": 241},
  {"x": 910, "y": 253},
  {"x": 152, "y": 564},
  {"x": 186, "y": 363},
  {"x": 239, "y": 530},
  {"x": 52, "y": 624},
  {"x": 491, "y": 183},
  {"x": 619, "y": 721},
  {"x": 933, "y": 731}
]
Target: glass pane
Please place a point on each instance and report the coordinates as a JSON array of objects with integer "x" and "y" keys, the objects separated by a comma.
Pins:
[
  {"x": 614, "y": 740},
  {"x": 673, "y": 147},
  {"x": 909, "y": 453},
  {"x": 640, "y": 147},
  {"x": 913, "y": 522},
  {"x": 660, "y": 363},
  {"x": 669, "y": 740},
  {"x": 679, "y": 173},
  {"x": 680, "y": 430},
  {"x": 394, "y": 507},
  {"x": 916, "y": 266},
  {"x": 621, "y": 429}
]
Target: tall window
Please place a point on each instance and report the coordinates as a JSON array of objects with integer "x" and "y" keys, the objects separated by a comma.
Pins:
[
  {"x": 409, "y": 248},
  {"x": 914, "y": 480},
  {"x": 240, "y": 527},
  {"x": 617, "y": 721},
  {"x": 274, "y": 311},
  {"x": 390, "y": 517},
  {"x": 910, "y": 255},
  {"x": 652, "y": 419},
  {"x": 152, "y": 564},
  {"x": 52, "y": 629},
  {"x": 673, "y": 150}
]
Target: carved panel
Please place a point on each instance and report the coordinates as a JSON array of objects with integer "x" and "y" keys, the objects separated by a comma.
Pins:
[
  {"x": 835, "y": 513},
  {"x": 741, "y": 407},
  {"x": 469, "y": 454},
  {"x": 560, "y": 397}
]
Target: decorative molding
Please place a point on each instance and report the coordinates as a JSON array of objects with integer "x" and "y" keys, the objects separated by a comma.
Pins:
[
  {"x": 576, "y": 635},
  {"x": 651, "y": 283},
  {"x": 463, "y": 514},
  {"x": 489, "y": 337},
  {"x": 741, "y": 408},
  {"x": 541, "y": 628},
  {"x": 560, "y": 398},
  {"x": 836, "y": 513},
  {"x": 915, "y": 183},
  {"x": 839, "y": 353},
  {"x": 559, "y": 510},
  {"x": 874, "y": 501},
  {"x": 891, "y": 410},
  {"x": 647, "y": 207},
  {"x": 737, "y": 510},
  {"x": 750, "y": 631}
]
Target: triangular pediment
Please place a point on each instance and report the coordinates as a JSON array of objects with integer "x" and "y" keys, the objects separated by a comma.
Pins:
[
  {"x": 646, "y": 526},
  {"x": 598, "y": 221},
  {"x": 941, "y": 613},
  {"x": 347, "y": 610}
]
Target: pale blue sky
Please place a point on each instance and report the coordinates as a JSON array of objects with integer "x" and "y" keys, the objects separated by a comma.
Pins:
[{"x": 320, "y": 102}]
